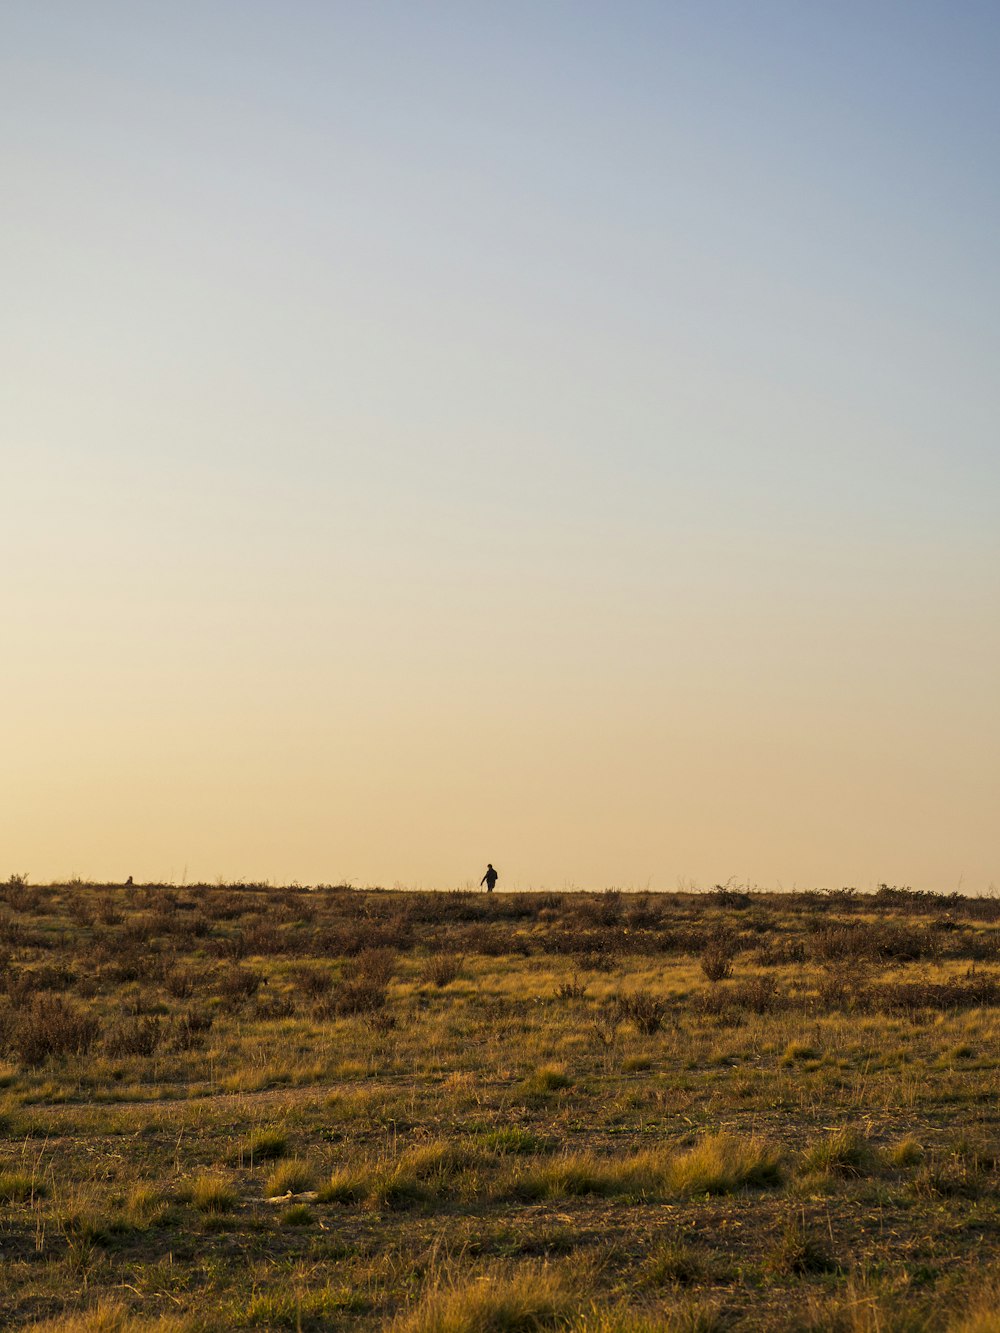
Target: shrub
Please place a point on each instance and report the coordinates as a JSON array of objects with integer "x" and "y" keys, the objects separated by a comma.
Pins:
[
  {"x": 134, "y": 1036},
  {"x": 646, "y": 1011},
  {"x": 756, "y": 995},
  {"x": 50, "y": 1026},
  {"x": 441, "y": 969},
  {"x": 363, "y": 988},
  {"x": 876, "y": 942},
  {"x": 314, "y": 982},
  {"x": 360, "y": 996},
  {"x": 239, "y": 984},
  {"x": 371, "y": 966},
  {"x": 909, "y": 997},
  {"x": 182, "y": 982},
  {"x": 190, "y": 1028},
  {"x": 717, "y": 962}
]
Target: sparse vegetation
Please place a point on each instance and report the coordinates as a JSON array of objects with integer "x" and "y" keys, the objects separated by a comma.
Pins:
[{"x": 240, "y": 1106}]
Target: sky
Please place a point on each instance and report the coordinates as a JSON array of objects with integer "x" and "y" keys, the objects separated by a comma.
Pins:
[{"x": 557, "y": 434}]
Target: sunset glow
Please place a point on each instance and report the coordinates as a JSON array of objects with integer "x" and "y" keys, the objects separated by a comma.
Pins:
[{"x": 556, "y": 435}]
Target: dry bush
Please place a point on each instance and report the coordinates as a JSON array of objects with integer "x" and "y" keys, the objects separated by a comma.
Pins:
[
  {"x": 264, "y": 940},
  {"x": 223, "y": 906},
  {"x": 50, "y": 1026},
  {"x": 80, "y": 912},
  {"x": 441, "y": 969},
  {"x": 183, "y": 982},
  {"x": 11, "y": 932},
  {"x": 491, "y": 939},
  {"x": 133, "y": 1036},
  {"x": 376, "y": 966},
  {"x": 313, "y": 982},
  {"x": 361, "y": 996},
  {"x": 909, "y": 997},
  {"x": 725, "y": 896},
  {"x": 236, "y": 985},
  {"x": 780, "y": 953},
  {"x": 189, "y": 1029},
  {"x": 108, "y": 911},
  {"x": 645, "y": 1010},
  {"x": 717, "y": 960},
  {"x": 363, "y": 987},
  {"x": 353, "y": 938},
  {"x": 233, "y": 948},
  {"x": 22, "y": 983},
  {"x": 876, "y": 942},
  {"x": 274, "y": 1005},
  {"x": 754, "y": 995},
  {"x": 20, "y": 896}
]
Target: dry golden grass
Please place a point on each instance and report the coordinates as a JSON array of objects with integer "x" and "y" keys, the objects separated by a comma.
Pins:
[{"x": 578, "y": 1130}]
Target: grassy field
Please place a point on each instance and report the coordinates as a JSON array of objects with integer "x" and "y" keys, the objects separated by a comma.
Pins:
[{"x": 255, "y": 1107}]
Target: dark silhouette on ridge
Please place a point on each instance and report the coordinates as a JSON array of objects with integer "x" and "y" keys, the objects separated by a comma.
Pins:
[{"x": 489, "y": 879}]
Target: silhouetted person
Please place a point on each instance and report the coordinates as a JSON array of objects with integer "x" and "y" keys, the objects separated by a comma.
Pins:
[
  {"x": 489, "y": 879},
  {"x": 128, "y": 882}
]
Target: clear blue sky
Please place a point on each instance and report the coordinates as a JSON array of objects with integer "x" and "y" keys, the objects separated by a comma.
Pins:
[{"x": 564, "y": 434}]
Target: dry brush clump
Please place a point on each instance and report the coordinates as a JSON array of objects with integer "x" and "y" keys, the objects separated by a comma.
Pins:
[
  {"x": 717, "y": 960},
  {"x": 644, "y": 1010},
  {"x": 134, "y": 1036},
  {"x": 47, "y": 1026},
  {"x": 441, "y": 969}
]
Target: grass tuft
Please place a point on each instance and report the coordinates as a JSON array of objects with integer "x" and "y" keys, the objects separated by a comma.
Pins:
[
  {"x": 212, "y": 1194},
  {"x": 723, "y": 1163},
  {"x": 290, "y": 1177},
  {"x": 266, "y": 1146},
  {"x": 844, "y": 1152},
  {"x": 20, "y": 1187},
  {"x": 529, "y": 1300}
]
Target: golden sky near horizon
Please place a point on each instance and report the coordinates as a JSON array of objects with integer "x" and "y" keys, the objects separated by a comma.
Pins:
[{"x": 432, "y": 437}]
